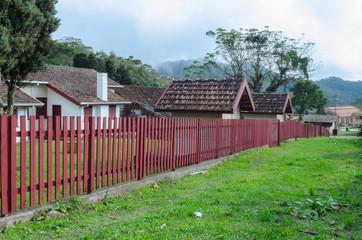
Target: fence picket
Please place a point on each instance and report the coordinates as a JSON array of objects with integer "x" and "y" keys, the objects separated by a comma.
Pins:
[
  {"x": 71, "y": 157},
  {"x": 41, "y": 160},
  {"x": 22, "y": 162},
  {"x": 32, "y": 161},
  {"x": 65, "y": 156}
]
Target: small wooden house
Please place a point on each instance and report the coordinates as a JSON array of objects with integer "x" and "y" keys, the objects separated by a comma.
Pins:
[
  {"x": 327, "y": 121},
  {"x": 271, "y": 106},
  {"x": 209, "y": 98}
]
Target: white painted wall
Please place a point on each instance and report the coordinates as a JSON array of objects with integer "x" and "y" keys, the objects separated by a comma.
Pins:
[
  {"x": 235, "y": 115},
  {"x": 68, "y": 108},
  {"x": 264, "y": 116},
  {"x": 36, "y": 90}
]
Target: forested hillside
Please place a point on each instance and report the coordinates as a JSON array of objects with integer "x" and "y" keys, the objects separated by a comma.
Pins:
[{"x": 348, "y": 91}]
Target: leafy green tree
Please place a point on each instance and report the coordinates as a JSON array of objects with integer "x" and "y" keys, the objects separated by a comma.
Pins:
[
  {"x": 26, "y": 27},
  {"x": 358, "y": 103},
  {"x": 81, "y": 60},
  {"x": 307, "y": 97},
  {"x": 61, "y": 54},
  {"x": 65, "y": 50},
  {"x": 291, "y": 60},
  {"x": 259, "y": 50},
  {"x": 260, "y": 55}
]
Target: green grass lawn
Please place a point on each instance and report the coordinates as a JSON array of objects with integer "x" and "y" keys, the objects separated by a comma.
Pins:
[
  {"x": 308, "y": 184},
  {"x": 349, "y": 133}
]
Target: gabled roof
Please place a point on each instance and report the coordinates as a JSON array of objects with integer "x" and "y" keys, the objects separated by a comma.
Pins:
[
  {"x": 320, "y": 118},
  {"x": 272, "y": 103},
  {"x": 78, "y": 85},
  {"x": 210, "y": 95},
  {"x": 21, "y": 99},
  {"x": 345, "y": 111},
  {"x": 146, "y": 95}
]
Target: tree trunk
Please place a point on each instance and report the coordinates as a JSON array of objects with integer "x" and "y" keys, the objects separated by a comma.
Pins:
[
  {"x": 1, "y": 101},
  {"x": 10, "y": 107}
]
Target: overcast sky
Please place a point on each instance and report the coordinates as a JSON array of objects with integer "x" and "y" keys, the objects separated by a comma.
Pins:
[{"x": 162, "y": 30}]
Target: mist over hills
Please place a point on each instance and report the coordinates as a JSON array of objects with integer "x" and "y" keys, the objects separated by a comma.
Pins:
[{"x": 348, "y": 91}]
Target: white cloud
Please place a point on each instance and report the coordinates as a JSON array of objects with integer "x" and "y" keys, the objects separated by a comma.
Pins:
[{"x": 334, "y": 25}]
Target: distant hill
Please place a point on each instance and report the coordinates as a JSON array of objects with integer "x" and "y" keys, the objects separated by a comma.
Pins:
[{"x": 348, "y": 91}]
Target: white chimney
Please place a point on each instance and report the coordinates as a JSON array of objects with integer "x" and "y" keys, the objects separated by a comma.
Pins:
[{"x": 102, "y": 86}]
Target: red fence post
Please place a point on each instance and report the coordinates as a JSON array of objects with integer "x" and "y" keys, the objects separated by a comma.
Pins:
[
  {"x": 49, "y": 158},
  {"x": 32, "y": 161},
  {"x": 79, "y": 155},
  {"x": 41, "y": 159},
  {"x": 114, "y": 151},
  {"x": 91, "y": 154},
  {"x": 65, "y": 156},
  {"x": 12, "y": 163},
  {"x": 4, "y": 139},
  {"x": 279, "y": 132},
  {"x": 71, "y": 169},
  {"x": 198, "y": 140},
  {"x": 57, "y": 157},
  {"x": 23, "y": 189}
]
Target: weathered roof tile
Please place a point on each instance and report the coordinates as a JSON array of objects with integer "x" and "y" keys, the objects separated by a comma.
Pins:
[
  {"x": 20, "y": 97},
  {"x": 272, "y": 103},
  {"x": 80, "y": 84},
  {"x": 211, "y": 95}
]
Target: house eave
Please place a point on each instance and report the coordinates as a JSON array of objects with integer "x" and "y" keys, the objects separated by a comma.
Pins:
[
  {"x": 102, "y": 103},
  {"x": 26, "y": 105}
]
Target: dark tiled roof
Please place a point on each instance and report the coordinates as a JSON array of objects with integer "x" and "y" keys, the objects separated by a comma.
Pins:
[
  {"x": 272, "y": 103},
  {"x": 320, "y": 118},
  {"x": 20, "y": 97},
  {"x": 211, "y": 95},
  {"x": 147, "y": 95},
  {"x": 79, "y": 84}
]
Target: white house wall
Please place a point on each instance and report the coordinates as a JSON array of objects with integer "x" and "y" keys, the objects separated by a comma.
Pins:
[
  {"x": 264, "y": 116},
  {"x": 235, "y": 115},
  {"x": 36, "y": 90},
  {"x": 68, "y": 108}
]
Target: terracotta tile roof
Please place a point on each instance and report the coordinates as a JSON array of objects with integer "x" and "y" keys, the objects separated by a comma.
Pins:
[
  {"x": 345, "y": 111},
  {"x": 20, "y": 97},
  {"x": 277, "y": 103},
  {"x": 320, "y": 118},
  {"x": 146, "y": 95},
  {"x": 212, "y": 95},
  {"x": 79, "y": 84}
]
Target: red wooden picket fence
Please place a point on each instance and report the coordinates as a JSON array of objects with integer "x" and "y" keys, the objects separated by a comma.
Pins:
[{"x": 76, "y": 155}]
